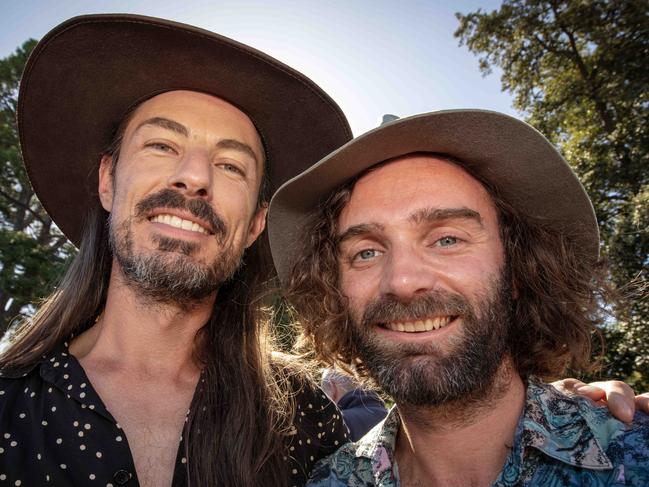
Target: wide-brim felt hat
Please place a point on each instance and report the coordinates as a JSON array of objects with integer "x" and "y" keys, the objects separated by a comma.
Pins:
[
  {"x": 512, "y": 156},
  {"x": 85, "y": 75}
]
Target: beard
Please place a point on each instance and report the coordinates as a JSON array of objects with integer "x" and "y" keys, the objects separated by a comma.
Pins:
[
  {"x": 170, "y": 274},
  {"x": 465, "y": 367}
]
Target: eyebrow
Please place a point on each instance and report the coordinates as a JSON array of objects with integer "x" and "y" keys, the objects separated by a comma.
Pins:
[
  {"x": 179, "y": 128},
  {"x": 428, "y": 215},
  {"x": 356, "y": 230},
  {"x": 438, "y": 214},
  {"x": 165, "y": 123},
  {"x": 237, "y": 146}
]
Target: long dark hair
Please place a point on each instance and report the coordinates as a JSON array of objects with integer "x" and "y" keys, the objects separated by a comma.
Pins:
[
  {"x": 561, "y": 300},
  {"x": 75, "y": 303},
  {"x": 244, "y": 403},
  {"x": 243, "y": 406}
]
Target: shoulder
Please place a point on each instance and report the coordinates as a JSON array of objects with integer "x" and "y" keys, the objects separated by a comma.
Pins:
[
  {"x": 314, "y": 413},
  {"x": 367, "y": 462},
  {"x": 629, "y": 446},
  {"x": 342, "y": 468},
  {"x": 17, "y": 383},
  {"x": 317, "y": 428},
  {"x": 586, "y": 436},
  {"x": 626, "y": 445},
  {"x": 612, "y": 434},
  {"x": 317, "y": 420}
]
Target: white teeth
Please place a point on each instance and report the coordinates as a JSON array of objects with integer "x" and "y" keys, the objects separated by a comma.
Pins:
[
  {"x": 177, "y": 222},
  {"x": 419, "y": 325}
]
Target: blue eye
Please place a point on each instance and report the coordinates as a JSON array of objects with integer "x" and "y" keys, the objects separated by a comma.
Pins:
[
  {"x": 160, "y": 146},
  {"x": 366, "y": 254},
  {"x": 447, "y": 241},
  {"x": 226, "y": 166}
]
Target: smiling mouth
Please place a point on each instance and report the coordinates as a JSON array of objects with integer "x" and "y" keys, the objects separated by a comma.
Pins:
[
  {"x": 177, "y": 222},
  {"x": 419, "y": 326}
]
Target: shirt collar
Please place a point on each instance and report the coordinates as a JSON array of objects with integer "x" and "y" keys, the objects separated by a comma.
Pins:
[
  {"x": 62, "y": 370},
  {"x": 378, "y": 446},
  {"x": 17, "y": 372},
  {"x": 560, "y": 426}
]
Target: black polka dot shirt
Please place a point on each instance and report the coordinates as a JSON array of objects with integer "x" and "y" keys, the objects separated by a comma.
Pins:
[{"x": 55, "y": 430}]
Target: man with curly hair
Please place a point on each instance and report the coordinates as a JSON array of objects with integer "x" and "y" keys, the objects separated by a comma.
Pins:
[{"x": 453, "y": 258}]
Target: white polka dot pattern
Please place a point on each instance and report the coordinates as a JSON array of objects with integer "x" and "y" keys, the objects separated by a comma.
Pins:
[{"x": 55, "y": 430}]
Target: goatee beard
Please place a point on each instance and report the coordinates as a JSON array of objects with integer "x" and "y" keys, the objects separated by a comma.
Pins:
[
  {"x": 170, "y": 275},
  {"x": 432, "y": 374}
]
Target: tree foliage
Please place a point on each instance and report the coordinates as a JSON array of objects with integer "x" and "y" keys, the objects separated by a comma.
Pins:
[
  {"x": 578, "y": 71},
  {"x": 33, "y": 252}
]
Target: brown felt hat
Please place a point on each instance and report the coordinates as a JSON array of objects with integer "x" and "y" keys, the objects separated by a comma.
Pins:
[
  {"x": 515, "y": 158},
  {"x": 85, "y": 74}
]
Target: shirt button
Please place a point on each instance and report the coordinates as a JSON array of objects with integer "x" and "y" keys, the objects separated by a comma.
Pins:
[{"x": 121, "y": 477}]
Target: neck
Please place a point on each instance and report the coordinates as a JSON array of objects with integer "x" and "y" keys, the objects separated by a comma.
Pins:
[
  {"x": 469, "y": 441},
  {"x": 137, "y": 334}
]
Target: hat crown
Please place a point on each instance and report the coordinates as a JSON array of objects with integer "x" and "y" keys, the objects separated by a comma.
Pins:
[{"x": 388, "y": 117}]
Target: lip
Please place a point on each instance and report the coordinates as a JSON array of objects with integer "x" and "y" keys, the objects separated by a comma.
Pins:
[
  {"x": 420, "y": 336},
  {"x": 182, "y": 215}
]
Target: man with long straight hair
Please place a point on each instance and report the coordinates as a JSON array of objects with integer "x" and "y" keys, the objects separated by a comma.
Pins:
[
  {"x": 453, "y": 258},
  {"x": 154, "y": 147}
]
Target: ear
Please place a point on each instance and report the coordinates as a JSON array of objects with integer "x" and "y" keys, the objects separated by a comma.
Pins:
[
  {"x": 257, "y": 224},
  {"x": 106, "y": 183}
]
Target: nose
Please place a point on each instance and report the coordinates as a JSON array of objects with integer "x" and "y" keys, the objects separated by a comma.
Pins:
[
  {"x": 406, "y": 276},
  {"x": 193, "y": 175}
]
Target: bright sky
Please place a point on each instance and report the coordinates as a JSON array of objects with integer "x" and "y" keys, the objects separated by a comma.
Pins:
[{"x": 371, "y": 56}]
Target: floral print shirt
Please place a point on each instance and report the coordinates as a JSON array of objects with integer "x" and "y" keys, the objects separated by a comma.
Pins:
[{"x": 560, "y": 441}]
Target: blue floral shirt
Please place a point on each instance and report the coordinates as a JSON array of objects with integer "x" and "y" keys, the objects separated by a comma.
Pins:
[{"x": 560, "y": 441}]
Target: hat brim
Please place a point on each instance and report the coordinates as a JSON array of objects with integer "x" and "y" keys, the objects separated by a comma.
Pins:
[
  {"x": 85, "y": 74},
  {"x": 515, "y": 158}
]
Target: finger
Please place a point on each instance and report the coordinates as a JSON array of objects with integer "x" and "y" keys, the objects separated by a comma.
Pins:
[
  {"x": 619, "y": 397},
  {"x": 642, "y": 402},
  {"x": 568, "y": 386},
  {"x": 590, "y": 391}
]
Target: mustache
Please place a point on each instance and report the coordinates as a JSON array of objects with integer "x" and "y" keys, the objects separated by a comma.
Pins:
[
  {"x": 387, "y": 308},
  {"x": 168, "y": 198}
]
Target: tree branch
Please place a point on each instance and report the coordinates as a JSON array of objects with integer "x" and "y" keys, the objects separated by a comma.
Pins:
[
  {"x": 22, "y": 205},
  {"x": 604, "y": 113}
]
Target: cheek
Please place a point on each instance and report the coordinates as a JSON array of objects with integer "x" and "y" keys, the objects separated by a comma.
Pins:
[
  {"x": 357, "y": 291},
  {"x": 240, "y": 211},
  {"x": 469, "y": 274},
  {"x": 125, "y": 187}
]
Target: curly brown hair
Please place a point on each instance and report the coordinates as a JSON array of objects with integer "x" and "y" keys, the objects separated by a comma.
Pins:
[{"x": 561, "y": 293}]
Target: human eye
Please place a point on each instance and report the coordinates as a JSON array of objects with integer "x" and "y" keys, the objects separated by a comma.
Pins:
[
  {"x": 161, "y": 147},
  {"x": 231, "y": 167},
  {"x": 447, "y": 241},
  {"x": 365, "y": 255}
]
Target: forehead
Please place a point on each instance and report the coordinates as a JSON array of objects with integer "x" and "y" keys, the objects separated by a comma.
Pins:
[
  {"x": 397, "y": 189},
  {"x": 200, "y": 113}
]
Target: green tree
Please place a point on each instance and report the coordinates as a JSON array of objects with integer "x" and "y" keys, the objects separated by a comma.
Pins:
[
  {"x": 33, "y": 252},
  {"x": 578, "y": 71}
]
